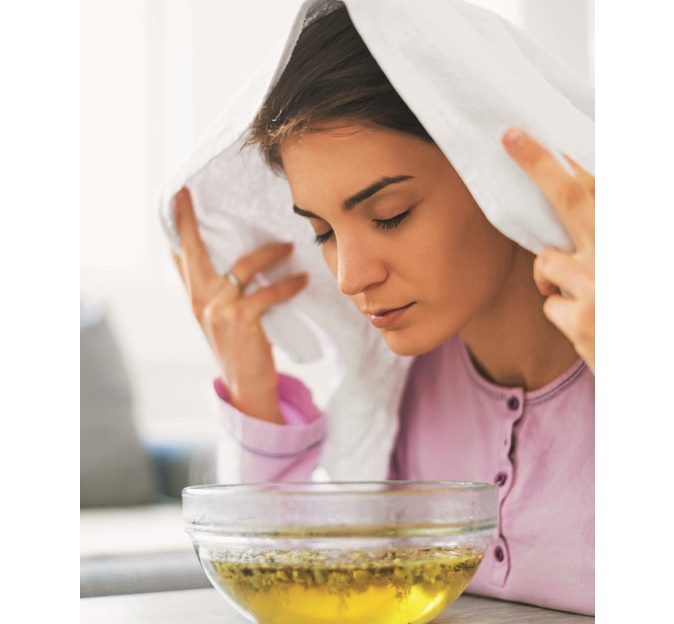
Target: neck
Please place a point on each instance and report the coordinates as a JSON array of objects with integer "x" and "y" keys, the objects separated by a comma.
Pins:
[{"x": 510, "y": 341}]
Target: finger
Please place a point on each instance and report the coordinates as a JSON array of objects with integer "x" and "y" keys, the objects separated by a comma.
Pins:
[
  {"x": 560, "y": 312},
  {"x": 576, "y": 321},
  {"x": 555, "y": 269},
  {"x": 262, "y": 258},
  {"x": 571, "y": 200},
  {"x": 177, "y": 260},
  {"x": 264, "y": 298},
  {"x": 196, "y": 263},
  {"x": 546, "y": 287},
  {"x": 585, "y": 178}
]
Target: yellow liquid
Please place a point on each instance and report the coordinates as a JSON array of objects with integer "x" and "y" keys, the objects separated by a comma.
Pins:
[{"x": 407, "y": 587}]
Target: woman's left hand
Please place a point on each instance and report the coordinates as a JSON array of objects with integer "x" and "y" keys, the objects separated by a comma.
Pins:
[{"x": 566, "y": 279}]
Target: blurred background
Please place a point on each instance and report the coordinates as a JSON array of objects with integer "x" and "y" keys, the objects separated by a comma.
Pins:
[{"x": 154, "y": 76}]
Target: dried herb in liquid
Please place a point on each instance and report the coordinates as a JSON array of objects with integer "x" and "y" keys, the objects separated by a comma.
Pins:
[{"x": 402, "y": 586}]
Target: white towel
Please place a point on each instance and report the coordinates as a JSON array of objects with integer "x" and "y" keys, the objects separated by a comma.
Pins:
[{"x": 467, "y": 74}]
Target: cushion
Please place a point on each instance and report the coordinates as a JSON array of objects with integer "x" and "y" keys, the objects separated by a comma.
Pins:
[{"x": 114, "y": 467}]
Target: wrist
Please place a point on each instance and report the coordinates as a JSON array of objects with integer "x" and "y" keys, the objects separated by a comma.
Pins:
[
  {"x": 269, "y": 412},
  {"x": 262, "y": 404}
]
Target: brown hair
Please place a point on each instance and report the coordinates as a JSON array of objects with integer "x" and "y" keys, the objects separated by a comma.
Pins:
[{"x": 331, "y": 74}]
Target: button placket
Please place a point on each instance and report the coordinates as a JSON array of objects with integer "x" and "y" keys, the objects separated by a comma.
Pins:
[
  {"x": 501, "y": 562},
  {"x": 513, "y": 403},
  {"x": 503, "y": 479},
  {"x": 514, "y": 411},
  {"x": 499, "y": 553}
]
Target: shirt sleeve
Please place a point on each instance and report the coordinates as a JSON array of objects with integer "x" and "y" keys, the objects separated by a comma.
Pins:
[{"x": 254, "y": 450}]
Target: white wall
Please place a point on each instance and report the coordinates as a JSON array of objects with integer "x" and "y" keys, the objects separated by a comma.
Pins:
[
  {"x": 154, "y": 75},
  {"x": 565, "y": 28}
]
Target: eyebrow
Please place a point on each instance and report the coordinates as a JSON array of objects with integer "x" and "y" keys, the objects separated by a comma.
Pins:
[{"x": 360, "y": 196}]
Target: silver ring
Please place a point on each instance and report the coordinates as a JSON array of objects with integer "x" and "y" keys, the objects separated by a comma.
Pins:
[{"x": 233, "y": 279}]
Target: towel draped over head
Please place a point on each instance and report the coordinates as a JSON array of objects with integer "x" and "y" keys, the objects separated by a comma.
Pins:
[{"x": 467, "y": 74}]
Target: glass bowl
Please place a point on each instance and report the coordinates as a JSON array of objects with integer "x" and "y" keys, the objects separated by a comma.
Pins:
[{"x": 344, "y": 552}]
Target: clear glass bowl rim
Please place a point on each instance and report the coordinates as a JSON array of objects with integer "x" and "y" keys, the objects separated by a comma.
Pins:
[
  {"x": 291, "y": 487},
  {"x": 363, "y": 507}
]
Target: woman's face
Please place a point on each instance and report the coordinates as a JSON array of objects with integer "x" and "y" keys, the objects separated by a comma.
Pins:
[{"x": 416, "y": 241}]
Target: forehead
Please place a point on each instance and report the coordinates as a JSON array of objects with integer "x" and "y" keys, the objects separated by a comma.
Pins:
[{"x": 331, "y": 163}]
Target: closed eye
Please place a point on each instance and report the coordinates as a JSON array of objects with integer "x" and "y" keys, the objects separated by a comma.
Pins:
[{"x": 382, "y": 224}]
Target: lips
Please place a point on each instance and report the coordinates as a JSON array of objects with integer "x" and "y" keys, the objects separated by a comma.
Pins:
[
  {"x": 385, "y": 317},
  {"x": 384, "y": 311}
]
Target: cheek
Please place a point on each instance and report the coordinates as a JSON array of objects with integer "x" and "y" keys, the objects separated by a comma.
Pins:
[
  {"x": 454, "y": 269},
  {"x": 460, "y": 258},
  {"x": 329, "y": 252}
]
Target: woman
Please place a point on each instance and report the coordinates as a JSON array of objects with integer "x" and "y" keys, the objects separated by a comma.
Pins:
[{"x": 502, "y": 387}]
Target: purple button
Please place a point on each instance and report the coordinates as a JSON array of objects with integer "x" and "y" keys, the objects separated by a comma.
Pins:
[
  {"x": 513, "y": 403},
  {"x": 499, "y": 554},
  {"x": 500, "y": 478}
]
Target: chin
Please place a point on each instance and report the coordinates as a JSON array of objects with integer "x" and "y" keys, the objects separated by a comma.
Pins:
[{"x": 407, "y": 341}]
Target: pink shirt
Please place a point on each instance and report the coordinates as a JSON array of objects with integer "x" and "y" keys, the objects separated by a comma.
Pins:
[{"x": 538, "y": 447}]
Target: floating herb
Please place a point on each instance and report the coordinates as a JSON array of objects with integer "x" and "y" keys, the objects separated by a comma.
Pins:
[{"x": 398, "y": 586}]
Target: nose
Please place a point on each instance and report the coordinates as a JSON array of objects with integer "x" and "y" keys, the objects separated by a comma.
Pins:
[{"x": 358, "y": 267}]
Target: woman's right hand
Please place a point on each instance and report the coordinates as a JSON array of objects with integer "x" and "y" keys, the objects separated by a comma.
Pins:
[{"x": 231, "y": 320}]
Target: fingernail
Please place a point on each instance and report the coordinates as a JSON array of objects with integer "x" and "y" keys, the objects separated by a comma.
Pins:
[{"x": 514, "y": 137}]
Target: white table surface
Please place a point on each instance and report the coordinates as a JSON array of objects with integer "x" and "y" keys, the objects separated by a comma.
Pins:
[
  {"x": 206, "y": 606},
  {"x": 135, "y": 530}
]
